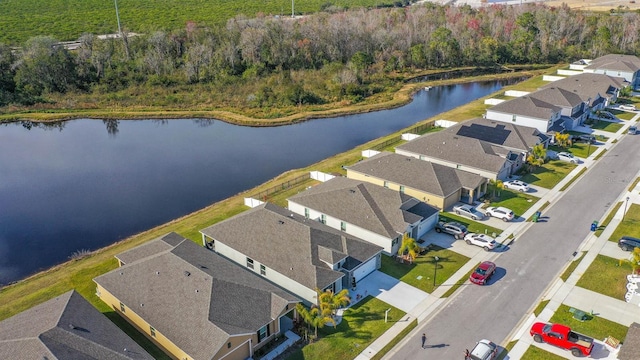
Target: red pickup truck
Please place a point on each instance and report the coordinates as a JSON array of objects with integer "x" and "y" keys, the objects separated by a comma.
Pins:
[{"x": 562, "y": 336}]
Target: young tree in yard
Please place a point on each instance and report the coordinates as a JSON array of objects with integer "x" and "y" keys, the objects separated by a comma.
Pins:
[
  {"x": 537, "y": 156},
  {"x": 625, "y": 91},
  {"x": 563, "y": 140},
  {"x": 634, "y": 261},
  {"x": 496, "y": 185},
  {"x": 328, "y": 302},
  {"x": 409, "y": 247},
  {"x": 315, "y": 317}
]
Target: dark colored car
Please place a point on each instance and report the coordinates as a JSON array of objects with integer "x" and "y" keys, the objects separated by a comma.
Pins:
[
  {"x": 628, "y": 243},
  {"x": 590, "y": 139},
  {"x": 456, "y": 229},
  {"x": 483, "y": 273}
]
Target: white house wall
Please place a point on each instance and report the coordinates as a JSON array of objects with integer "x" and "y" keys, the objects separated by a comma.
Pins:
[
  {"x": 281, "y": 280},
  {"x": 353, "y": 230},
  {"x": 541, "y": 124}
]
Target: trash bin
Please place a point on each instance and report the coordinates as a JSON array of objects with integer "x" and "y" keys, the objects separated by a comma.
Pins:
[
  {"x": 536, "y": 216},
  {"x": 594, "y": 226}
]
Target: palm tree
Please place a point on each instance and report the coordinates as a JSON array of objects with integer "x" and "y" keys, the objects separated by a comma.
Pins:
[
  {"x": 329, "y": 302},
  {"x": 315, "y": 317},
  {"x": 496, "y": 185},
  {"x": 635, "y": 262},
  {"x": 409, "y": 246},
  {"x": 537, "y": 156}
]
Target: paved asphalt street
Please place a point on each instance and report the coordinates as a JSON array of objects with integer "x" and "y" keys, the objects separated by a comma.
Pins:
[{"x": 534, "y": 260}]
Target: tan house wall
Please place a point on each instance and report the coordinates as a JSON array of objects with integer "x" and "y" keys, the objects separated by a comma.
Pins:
[
  {"x": 236, "y": 348},
  {"x": 433, "y": 200}
]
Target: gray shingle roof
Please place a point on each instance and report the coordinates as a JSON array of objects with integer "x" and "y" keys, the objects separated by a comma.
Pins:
[
  {"x": 190, "y": 287},
  {"x": 558, "y": 96},
  {"x": 527, "y": 105},
  {"x": 616, "y": 62},
  {"x": 290, "y": 244},
  {"x": 456, "y": 149},
  {"x": 587, "y": 86},
  {"x": 500, "y": 133},
  {"x": 425, "y": 176},
  {"x": 66, "y": 327},
  {"x": 369, "y": 206},
  {"x": 631, "y": 346}
]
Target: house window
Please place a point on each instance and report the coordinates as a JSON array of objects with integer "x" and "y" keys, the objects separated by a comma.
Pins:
[
  {"x": 386, "y": 184},
  {"x": 343, "y": 226},
  {"x": 152, "y": 331},
  {"x": 263, "y": 270},
  {"x": 122, "y": 307},
  {"x": 263, "y": 333},
  {"x": 402, "y": 189},
  {"x": 306, "y": 213},
  {"x": 323, "y": 218},
  {"x": 250, "y": 263}
]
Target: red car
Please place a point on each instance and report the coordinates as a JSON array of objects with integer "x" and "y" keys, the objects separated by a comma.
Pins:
[{"x": 482, "y": 273}]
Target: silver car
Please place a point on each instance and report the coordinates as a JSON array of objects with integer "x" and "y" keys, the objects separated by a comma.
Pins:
[
  {"x": 468, "y": 211},
  {"x": 565, "y": 156}
]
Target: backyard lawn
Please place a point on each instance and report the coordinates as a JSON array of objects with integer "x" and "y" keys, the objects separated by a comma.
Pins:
[
  {"x": 549, "y": 174},
  {"x": 606, "y": 276},
  {"x": 624, "y": 115},
  {"x": 630, "y": 226},
  {"x": 535, "y": 353},
  {"x": 420, "y": 273},
  {"x": 472, "y": 226},
  {"x": 360, "y": 326},
  {"x": 595, "y": 327},
  {"x": 516, "y": 201}
]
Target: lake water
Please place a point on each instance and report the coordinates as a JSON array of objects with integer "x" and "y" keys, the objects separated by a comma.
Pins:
[{"x": 85, "y": 184}]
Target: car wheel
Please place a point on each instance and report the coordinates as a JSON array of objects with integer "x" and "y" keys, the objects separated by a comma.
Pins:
[
  {"x": 575, "y": 352},
  {"x": 468, "y": 242},
  {"x": 489, "y": 214},
  {"x": 438, "y": 230},
  {"x": 486, "y": 248},
  {"x": 505, "y": 186},
  {"x": 457, "y": 212},
  {"x": 626, "y": 248},
  {"x": 474, "y": 218},
  {"x": 537, "y": 338},
  {"x": 521, "y": 190},
  {"x": 505, "y": 219}
]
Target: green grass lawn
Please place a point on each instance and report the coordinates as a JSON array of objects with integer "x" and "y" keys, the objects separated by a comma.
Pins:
[
  {"x": 608, "y": 219},
  {"x": 549, "y": 174},
  {"x": 360, "y": 326},
  {"x": 630, "y": 226},
  {"x": 567, "y": 272},
  {"x": 610, "y": 126},
  {"x": 420, "y": 273},
  {"x": 624, "y": 115},
  {"x": 606, "y": 276},
  {"x": 472, "y": 226},
  {"x": 580, "y": 150},
  {"x": 516, "y": 201},
  {"x": 535, "y": 353},
  {"x": 595, "y": 327}
]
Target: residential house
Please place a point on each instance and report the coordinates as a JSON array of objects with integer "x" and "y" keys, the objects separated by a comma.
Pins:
[
  {"x": 492, "y": 149},
  {"x": 573, "y": 109},
  {"x": 195, "y": 304},
  {"x": 596, "y": 90},
  {"x": 617, "y": 65},
  {"x": 368, "y": 211},
  {"x": 66, "y": 327},
  {"x": 296, "y": 253},
  {"x": 436, "y": 184},
  {"x": 630, "y": 349},
  {"x": 528, "y": 111}
]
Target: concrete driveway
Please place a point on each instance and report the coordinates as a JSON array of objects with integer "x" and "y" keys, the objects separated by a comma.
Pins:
[{"x": 390, "y": 290}]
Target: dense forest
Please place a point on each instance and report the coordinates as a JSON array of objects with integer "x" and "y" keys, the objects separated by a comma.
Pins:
[{"x": 328, "y": 57}]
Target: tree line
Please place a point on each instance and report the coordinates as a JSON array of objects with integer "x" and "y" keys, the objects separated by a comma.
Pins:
[{"x": 356, "y": 51}]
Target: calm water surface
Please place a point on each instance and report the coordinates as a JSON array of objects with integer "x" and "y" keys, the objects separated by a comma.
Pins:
[{"x": 80, "y": 186}]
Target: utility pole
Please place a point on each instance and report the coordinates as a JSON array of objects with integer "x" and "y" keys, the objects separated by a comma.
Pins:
[
  {"x": 293, "y": 14},
  {"x": 124, "y": 39}
]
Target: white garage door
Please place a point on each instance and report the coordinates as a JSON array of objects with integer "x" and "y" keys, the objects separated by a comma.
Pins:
[
  {"x": 365, "y": 269},
  {"x": 426, "y": 225}
]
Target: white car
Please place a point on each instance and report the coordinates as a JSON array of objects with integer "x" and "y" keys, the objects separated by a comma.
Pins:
[
  {"x": 484, "y": 241},
  {"x": 468, "y": 211},
  {"x": 627, "y": 107},
  {"x": 484, "y": 350},
  {"x": 516, "y": 185},
  {"x": 565, "y": 156},
  {"x": 500, "y": 213}
]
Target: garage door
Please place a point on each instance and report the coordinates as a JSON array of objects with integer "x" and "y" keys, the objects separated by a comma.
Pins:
[
  {"x": 426, "y": 225},
  {"x": 365, "y": 269}
]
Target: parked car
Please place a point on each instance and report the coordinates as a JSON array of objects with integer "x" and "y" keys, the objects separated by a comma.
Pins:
[
  {"x": 584, "y": 138},
  {"x": 516, "y": 185},
  {"x": 483, "y": 273},
  {"x": 628, "y": 243},
  {"x": 562, "y": 337},
  {"x": 565, "y": 156},
  {"x": 468, "y": 211},
  {"x": 500, "y": 212},
  {"x": 484, "y": 241},
  {"x": 484, "y": 350},
  {"x": 456, "y": 229},
  {"x": 627, "y": 107},
  {"x": 633, "y": 130}
]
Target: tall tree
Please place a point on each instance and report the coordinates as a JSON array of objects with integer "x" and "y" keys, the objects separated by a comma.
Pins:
[{"x": 409, "y": 247}]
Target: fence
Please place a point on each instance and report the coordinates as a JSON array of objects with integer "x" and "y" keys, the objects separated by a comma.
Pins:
[{"x": 262, "y": 195}]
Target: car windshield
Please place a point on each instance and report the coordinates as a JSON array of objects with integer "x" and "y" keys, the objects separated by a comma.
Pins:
[{"x": 480, "y": 271}]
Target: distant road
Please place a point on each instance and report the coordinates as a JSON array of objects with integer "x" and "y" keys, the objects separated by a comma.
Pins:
[{"x": 533, "y": 262}]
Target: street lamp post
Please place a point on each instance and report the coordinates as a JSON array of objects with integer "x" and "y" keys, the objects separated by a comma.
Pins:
[
  {"x": 625, "y": 208},
  {"x": 435, "y": 269},
  {"x": 293, "y": 13},
  {"x": 115, "y": 2}
]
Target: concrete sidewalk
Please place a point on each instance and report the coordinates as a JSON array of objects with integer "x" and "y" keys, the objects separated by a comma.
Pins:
[{"x": 609, "y": 308}]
